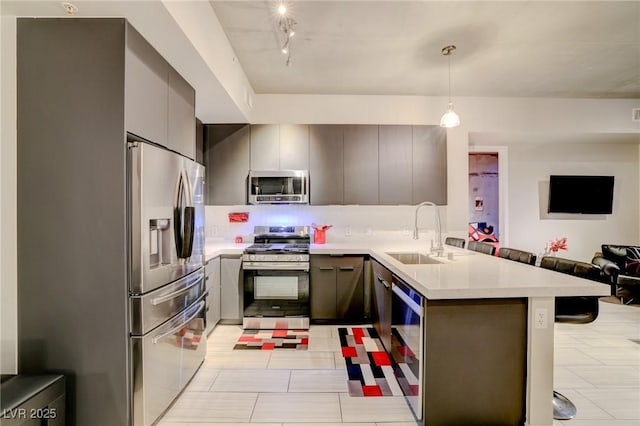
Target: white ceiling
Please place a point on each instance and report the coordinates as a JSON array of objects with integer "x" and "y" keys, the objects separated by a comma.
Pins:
[
  {"x": 580, "y": 49},
  {"x": 505, "y": 49}
]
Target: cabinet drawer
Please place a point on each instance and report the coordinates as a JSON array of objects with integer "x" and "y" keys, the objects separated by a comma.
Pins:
[{"x": 327, "y": 261}]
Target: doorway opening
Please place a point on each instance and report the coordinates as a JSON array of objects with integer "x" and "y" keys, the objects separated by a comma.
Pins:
[{"x": 487, "y": 195}]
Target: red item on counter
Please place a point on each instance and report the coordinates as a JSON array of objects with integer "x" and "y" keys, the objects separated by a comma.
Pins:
[
  {"x": 239, "y": 217},
  {"x": 238, "y": 239},
  {"x": 320, "y": 233},
  {"x": 319, "y": 237}
]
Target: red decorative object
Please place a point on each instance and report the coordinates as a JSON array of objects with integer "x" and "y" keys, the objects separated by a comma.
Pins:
[
  {"x": 239, "y": 217},
  {"x": 557, "y": 244},
  {"x": 320, "y": 233}
]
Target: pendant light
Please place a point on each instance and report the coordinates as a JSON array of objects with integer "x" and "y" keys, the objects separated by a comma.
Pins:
[{"x": 450, "y": 118}]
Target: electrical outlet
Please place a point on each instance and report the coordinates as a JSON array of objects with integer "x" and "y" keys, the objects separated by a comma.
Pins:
[
  {"x": 347, "y": 231},
  {"x": 406, "y": 231},
  {"x": 541, "y": 318}
]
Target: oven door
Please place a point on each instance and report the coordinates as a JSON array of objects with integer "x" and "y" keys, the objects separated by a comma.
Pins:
[{"x": 276, "y": 298}]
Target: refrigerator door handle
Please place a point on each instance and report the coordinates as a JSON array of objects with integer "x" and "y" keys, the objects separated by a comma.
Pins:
[
  {"x": 166, "y": 297},
  {"x": 157, "y": 339},
  {"x": 184, "y": 217}
]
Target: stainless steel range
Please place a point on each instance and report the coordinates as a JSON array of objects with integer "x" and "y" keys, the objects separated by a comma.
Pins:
[{"x": 276, "y": 278}]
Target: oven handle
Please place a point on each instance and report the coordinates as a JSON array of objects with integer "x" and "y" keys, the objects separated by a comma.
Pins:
[
  {"x": 156, "y": 339},
  {"x": 282, "y": 266},
  {"x": 415, "y": 307}
]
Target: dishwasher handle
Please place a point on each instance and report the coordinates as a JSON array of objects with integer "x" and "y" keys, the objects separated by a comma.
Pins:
[{"x": 412, "y": 304}]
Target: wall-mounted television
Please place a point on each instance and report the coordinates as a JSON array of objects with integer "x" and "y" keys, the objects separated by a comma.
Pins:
[{"x": 580, "y": 194}]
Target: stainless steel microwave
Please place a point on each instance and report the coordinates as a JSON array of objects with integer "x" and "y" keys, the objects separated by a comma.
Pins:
[{"x": 278, "y": 187}]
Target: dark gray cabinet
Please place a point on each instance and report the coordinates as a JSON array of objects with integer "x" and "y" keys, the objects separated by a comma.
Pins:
[
  {"x": 213, "y": 280},
  {"x": 265, "y": 146},
  {"x": 381, "y": 303},
  {"x": 337, "y": 288},
  {"x": 181, "y": 115},
  {"x": 159, "y": 103},
  {"x": 396, "y": 164},
  {"x": 294, "y": 147},
  {"x": 360, "y": 164},
  {"x": 231, "y": 289},
  {"x": 429, "y": 164},
  {"x": 348, "y": 164},
  {"x": 326, "y": 164},
  {"x": 226, "y": 153},
  {"x": 279, "y": 147},
  {"x": 146, "y": 89}
]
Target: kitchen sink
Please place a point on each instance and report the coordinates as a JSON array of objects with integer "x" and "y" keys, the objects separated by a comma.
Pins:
[{"x": 409, "y": 258}]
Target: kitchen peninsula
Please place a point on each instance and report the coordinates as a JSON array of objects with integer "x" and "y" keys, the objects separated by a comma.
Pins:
[{"x": 488, "y": 329}]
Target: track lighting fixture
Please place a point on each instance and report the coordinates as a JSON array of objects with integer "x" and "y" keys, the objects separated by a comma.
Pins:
[
  {"x": 450, "y": 118},
  {"x": 286, "y": 24}
]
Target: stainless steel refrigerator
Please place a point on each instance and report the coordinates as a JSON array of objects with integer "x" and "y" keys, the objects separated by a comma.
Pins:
[
  {"x": 126, "y": 324},
  {"x": 166, "y": 286}
]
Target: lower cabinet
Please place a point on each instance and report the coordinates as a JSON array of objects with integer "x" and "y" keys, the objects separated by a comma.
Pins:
[
  {"x": 381, "y": 303},
  {"x": 212, "y": 272},
  {"x": 337, "y": 288},
  {"x": 231, "y": 289}
]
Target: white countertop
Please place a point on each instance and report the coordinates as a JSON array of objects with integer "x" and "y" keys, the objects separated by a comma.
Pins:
[{"x": 469, "y": 275}]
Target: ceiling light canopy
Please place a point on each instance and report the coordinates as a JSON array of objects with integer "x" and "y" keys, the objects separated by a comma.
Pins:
[{"x": 450, "y": 118}]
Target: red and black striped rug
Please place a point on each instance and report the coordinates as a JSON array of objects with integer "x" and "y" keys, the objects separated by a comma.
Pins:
[
  {"x": 268, "y": 340},
  {"x": 372, "y": 372}
]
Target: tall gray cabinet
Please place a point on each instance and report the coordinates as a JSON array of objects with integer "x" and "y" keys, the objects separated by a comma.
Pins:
[{"x": 82, "y": 84}]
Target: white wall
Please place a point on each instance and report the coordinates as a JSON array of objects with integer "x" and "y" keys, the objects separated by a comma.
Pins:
[{"x": 532, "y": 228}]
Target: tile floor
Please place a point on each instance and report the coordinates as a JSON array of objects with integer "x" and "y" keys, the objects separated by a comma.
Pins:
[{"x": 597, "y": 366}]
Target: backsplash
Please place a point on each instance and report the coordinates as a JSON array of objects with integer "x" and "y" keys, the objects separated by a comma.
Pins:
[{"x": 349, "y": 222}]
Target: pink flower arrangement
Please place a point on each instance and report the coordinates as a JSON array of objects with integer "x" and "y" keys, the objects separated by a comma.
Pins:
[{"x": 557, "y": 244}]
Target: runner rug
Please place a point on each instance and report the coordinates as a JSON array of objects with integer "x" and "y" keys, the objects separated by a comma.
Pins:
[
  {"x": 371, "y": 371},
  {"x": 268, "y": 340}
]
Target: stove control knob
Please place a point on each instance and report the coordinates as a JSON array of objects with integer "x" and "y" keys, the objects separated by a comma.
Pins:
[{"x": 252, "y": 257}]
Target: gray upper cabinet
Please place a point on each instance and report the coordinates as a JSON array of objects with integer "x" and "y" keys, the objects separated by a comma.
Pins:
[
  {"x": 361, "y": 164},
  {"x": 146, "y": 89},
  {"x": 396, "y": 164},
  {"x": 348, "y": 164},
  {"x": 326, "y": 164},
  {"x": 227, "y": 159},
  {"x": 265, "y": 146},
  {"x": 181, "y": 115},
  {"x": 429, "y": 164},
  {"x": 294, "y": 147},
  {"x": 159, "y": 103},
  {"x": 279, "y": 147}
]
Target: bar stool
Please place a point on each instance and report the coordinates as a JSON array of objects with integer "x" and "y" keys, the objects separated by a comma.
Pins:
[
  {"x": 482, "y": 247},
  {"x": 456, "y": 242},
  {"x": 574, "y": 310}
]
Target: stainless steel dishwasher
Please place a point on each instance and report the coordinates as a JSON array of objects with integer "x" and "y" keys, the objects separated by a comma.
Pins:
[{"x": 407, "y": 342}]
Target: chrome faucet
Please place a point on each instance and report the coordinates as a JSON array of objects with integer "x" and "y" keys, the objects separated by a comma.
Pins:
[{"x": 439, "y": 249}]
